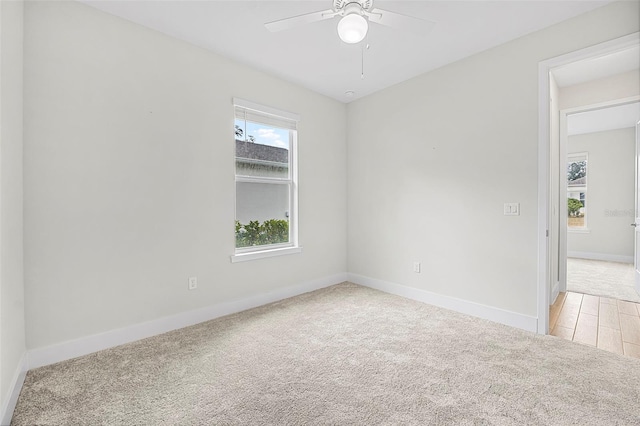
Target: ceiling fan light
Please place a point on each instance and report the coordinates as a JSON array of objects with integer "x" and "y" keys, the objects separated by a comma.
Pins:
[{"x": 352, "y": 28}]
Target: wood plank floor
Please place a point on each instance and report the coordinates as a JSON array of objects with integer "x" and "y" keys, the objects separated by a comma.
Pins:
[{"x": 609, "y": 324}]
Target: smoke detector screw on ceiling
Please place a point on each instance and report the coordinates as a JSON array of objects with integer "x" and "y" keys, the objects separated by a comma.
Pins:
[{"x": 352, "y": 28}]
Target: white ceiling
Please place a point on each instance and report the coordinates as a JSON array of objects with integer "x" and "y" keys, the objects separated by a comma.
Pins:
[
  {"x": 313, "y": 55},
  {"x": 618, "y": 117}
]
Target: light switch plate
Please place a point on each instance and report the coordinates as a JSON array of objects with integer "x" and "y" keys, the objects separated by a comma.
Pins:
[{"x": 512, "y": 209}]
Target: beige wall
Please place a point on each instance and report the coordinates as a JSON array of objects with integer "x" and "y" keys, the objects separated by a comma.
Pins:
[
  {"x": 129, "y": 176},
  {"x": 12, "y": 328},
  {"x": 610, "y": 193},
  {"x": 433, "y": 159},
  {"x": 618, "y": 86}
]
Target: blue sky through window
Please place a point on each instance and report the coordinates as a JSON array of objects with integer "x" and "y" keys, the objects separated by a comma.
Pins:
[{"x": 263, "y": 134}]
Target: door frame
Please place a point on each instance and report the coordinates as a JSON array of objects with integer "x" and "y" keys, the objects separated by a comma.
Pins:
[
  {"x": 544, "y": 162},
  {"x": 636, "y": 219}
]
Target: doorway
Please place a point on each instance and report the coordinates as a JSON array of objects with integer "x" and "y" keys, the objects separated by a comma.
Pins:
[
  {"x": 551, "y": 270},
  {"x": 593, "y": 187},
  {"x": 597, "y": 303},
  {"x": 598, "y": 183}
]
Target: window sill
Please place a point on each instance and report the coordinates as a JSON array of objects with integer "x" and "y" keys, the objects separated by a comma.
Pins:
[
  {"x": 579, "y": 230},
  {"x": 244, "y": 257}
]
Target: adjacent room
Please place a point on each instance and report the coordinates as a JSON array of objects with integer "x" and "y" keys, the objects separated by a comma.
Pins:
[
  {"x": 601, "y": 166},
  {"x": 596, "y": 302},
  {"x": 314, "y": 212}
]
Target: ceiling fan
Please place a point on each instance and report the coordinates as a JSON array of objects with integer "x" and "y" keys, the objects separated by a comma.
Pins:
[{"x": 355, "y": 15}]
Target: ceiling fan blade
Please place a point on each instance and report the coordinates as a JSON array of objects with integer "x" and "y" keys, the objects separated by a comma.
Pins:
[
  {"x": 403, "y": 22},
  {"x": 307, "y": 18}
]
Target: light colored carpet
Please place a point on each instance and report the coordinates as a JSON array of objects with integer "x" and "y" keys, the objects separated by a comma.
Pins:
[
  {"x": 342, "y": 355},
  {"x": 608, "y": 279}
]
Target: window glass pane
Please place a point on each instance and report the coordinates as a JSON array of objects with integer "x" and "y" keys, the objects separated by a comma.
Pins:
[
  {"x": 577, "y": 191},
  {"x": 261, "y": 150},
  {"x": 262, "y": 213},
  {"x": 577, "y": 172}
]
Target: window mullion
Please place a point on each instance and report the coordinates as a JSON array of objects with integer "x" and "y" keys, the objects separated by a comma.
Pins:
[{"x": 276, "y": 181}]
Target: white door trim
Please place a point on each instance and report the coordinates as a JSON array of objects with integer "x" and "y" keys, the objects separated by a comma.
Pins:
[
  {"x": 636, "y": 219},
  {"x": 544, "y": 203}
]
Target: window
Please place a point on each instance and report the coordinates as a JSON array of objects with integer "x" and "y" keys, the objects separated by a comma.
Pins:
[
  {"x": 266, "y": 181},
  {"x": 577, "y": 191}
]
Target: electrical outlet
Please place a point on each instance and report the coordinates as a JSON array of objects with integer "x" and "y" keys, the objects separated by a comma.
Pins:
[
  {"x": 193, "y": 283},
  {"x": 416, "y": 267}
]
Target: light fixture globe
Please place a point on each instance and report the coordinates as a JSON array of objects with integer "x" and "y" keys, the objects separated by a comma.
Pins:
[{"x": 352, "y": 28}]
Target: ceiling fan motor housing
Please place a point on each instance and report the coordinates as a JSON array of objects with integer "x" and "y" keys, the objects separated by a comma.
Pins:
[{"x": 352, "y": 6}]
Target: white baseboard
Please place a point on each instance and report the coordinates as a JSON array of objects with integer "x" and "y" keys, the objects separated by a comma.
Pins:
[
  {"x": 600, "y": 256},
  {"x": 86, "y": 345},
  {"x": 9, "y": 404},
  {"x": 501, "y": 316}
]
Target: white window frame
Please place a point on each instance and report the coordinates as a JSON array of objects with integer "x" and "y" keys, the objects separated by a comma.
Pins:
[
  {"x": 282, "y": 119},
  {"x": 572, "y": 158}
]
